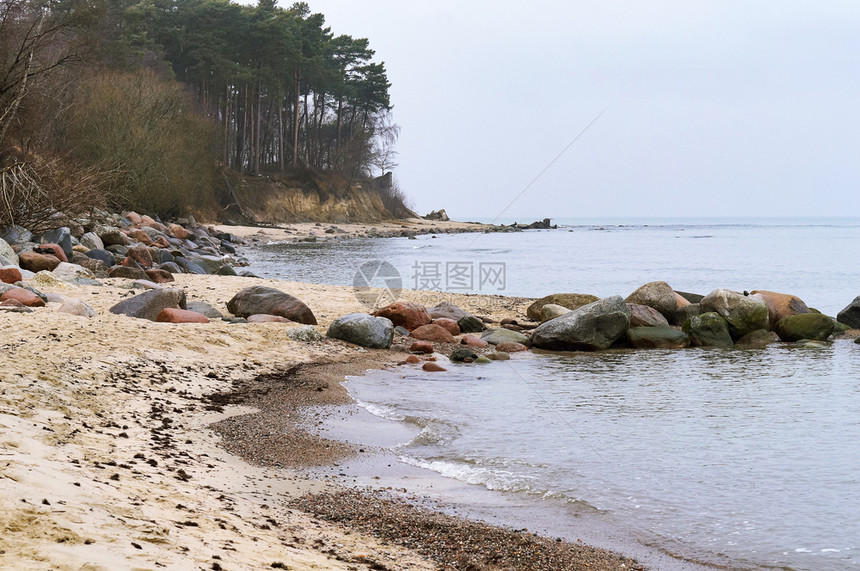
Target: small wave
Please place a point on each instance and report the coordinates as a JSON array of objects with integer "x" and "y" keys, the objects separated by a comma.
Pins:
[
  {"x": 500, "y": 480},
  {"x": 381, "y": 411}
]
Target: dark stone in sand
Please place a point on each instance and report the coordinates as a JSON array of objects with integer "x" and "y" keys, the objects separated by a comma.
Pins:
[
  {"x": 204, "y": 308},
  {"x": 108, "y": 258},
  {"x": 850, "y": 315},
  {"x": 62, "y": 237},
  {"x": 470, "y": 324},
  {"x": 171, "y": 267},
  {"x": 35, "y": 262},
  {"x": 226, "y": 270},
  {"x": 363, "y": 329},
  {"x": 814, "y": 326},
  {"x": 592, "y": 327},
  {"x": 708, "y": 330},
  {"x": 193, "y": 267},
  {"x": 149, "y": 304},
  {"x": 159, "y": 276},
  {"x": 267, "y": 300},
  {"x": 127, "y": 273},
  {"x": 460, "y": 354},
  {"x": 161, "y": 256},
  {"x": 663, "y": 337},
  {"x": 401, "y": 330}
]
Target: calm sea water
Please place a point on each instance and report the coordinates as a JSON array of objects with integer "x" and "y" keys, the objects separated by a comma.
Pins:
[{"x": 745, "y": 454}]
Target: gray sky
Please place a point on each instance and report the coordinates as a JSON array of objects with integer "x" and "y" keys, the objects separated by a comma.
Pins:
[{"x": 712, "y": 108}]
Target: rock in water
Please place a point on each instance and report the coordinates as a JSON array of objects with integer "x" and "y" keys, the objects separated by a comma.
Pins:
[
  {"x": 270, "y": 301},
  {"x": 363, "y": 329},
  {"x": 662, "y": 337},
  {"x": 405, "y": 314},
  {"x": 645, "y": 316},
  {"x": 850, "y": 315},
  {"x": 708, "y": 330},
  {"x": 149, "y": 304},
  {"x": 658, "y": 295},
  {"x": 462, "y": 354},
  {"x": 813, "y": 326},
  {"x": 592, "y": 327},
  {"x": 756, "y": 339},
  {"x": 743, "y": 313},
  {"x": 780, "y": 305},
  {"x": 501, "y": 335},
  {"x": 568, "y": 300}
]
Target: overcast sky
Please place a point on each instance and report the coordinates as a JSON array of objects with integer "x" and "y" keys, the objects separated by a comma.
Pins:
[{"x": 712, "y": 108}]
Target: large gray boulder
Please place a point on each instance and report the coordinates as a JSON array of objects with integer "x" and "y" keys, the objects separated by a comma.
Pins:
[
  {"x": 708, "y": 330},
  {"x": 149, "y": 304},
  {"x": 592, "y": 327},
  {"x": 850, "y": 315},
  {"x": 502, "y": 335},
  {"x": 91, "y": 241},
  {"x": 258, "y": 299},
  {"x": 8, "y": 257},
  {"x": 658, "y": 295},
  {"x": 568, "y": 300},
  {"x": 62, "y": 237},
  {"x": 813, "y": 326},
  {"x": 743, "y": 313},
  {"x": 447, "y": 310},
  {"x": 363, "y": 329}
]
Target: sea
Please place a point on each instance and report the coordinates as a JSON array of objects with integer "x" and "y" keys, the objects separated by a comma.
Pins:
[{"x": 744, "y": 458}]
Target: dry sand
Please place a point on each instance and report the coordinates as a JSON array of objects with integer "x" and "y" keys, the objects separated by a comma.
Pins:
[{"x": 107, "y": 460}]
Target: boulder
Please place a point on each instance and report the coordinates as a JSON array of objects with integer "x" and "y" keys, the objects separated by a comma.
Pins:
[
  {"x": 502, "y": 335},
  {"x": 178, "y": 231},
  {"x": 691, "y": 297},
  {"x": 405, "y": 314},
  {"x": 97, "y": 267},
  {"x": 645, "y": 316},
  {"x": 743, "y": 313},
  {"x": 422, "y": 347},
  {"x": 448, "y": 324},
  {"x": 141, "y": 255},
  {"x": 8, "y": 257},
  {"x": 758, "y": 338},
  {"x": 498, "y": 356},
  {"x": 363, "y": 329},
  {"x": 111, "y": 236},
  {"x": 91, "y": 241},
  {"x": 24, "y": 296},
  {"x": 659, "y": 337},
  {"x": 463, "y": 355},
  {"x": 412, "y": 360},
  {"x": 708, "y": 330},
  {"x": 72, "y": 272},
  {"x": 127, "y": 273},
  {"x": 447, "y": 310},
  {"x": 103, "y": 255},
  {"x": 592, "y": 327},
  {"x": 510, "y": 347},
  {"x": 658, "y": 295},
  {"x": 133, "y": 217},
  {"x": 568, "y": 300},
  {"x": 780, "y": 305},
  {"x": 470, "y": 324},
  {"x": 433, "y": 367},
  {"x": 304, "y": 334},
  {"x": 551, "y": 311},
  {"x": 204, "y": 308},
  {"x": 473, "y": 341},
  {"x": 433, "y": 333},
  {"x": 139, "y": 235},
  {"x": 52, "y": 249},
  {"x": 36, "y": 262},
  {"x": 680, "y": 301},
  {"x": 267, "y": 300},
  {"x": 77, "y": 307},
  {"x": 10, "y": 275},
  {"x": 850, "y": 314},
  {"x": 159, "y": 276},
  {"x": 812, "y": 326},
  {"x": 685, "y": 312},
  {"x": 149, "y": 304},
  {"x": 173, "y": 315},
  {"x": 61, "y": 237}
]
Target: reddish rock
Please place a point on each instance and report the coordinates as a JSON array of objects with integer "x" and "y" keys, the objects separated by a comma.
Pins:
[
  {"x": 644, "y": 316},
  {"x": 10, "y": 275},
  {"x": 161, "y": 242},
  {"x": 780, "y": 305},
  {"x": 681, "y": 301},
  {"x": 140, "y": 236},
  {"x": 140, "y": 254},
  {"x": 265, "y": 318},
  {"x": 261, "y": 299},
  {"x": 178, "y": 231},
  {"x": 473, "y": 341},
  {"x": 405, "y": 314},
  {"x": 148, "y": 221},
  {"x": 412, "y": 360},
  {"x": 159, "y": 276},
  {"x": 449, "y": 324},
  {"x": 421, "y": 347},
  {"x": 128, "y": 272},
  {"x": 11, "y": 303},
  {"x": 36, "y": 262},
  {"x": 433, "y": 367},
  {"x": 511, "y": 347},
  {"x": 26, "y": 297},
  {"x": 434, "y": 333},
  {"x": 171, "y": 315},
  {"x": 52, "y": 249},
  {"x": 295, "y": 310},
  {"x": 134, "y": 217}
]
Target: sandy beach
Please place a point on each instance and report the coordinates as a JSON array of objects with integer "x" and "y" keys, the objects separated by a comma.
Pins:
[{"x": 130, "y": 444}]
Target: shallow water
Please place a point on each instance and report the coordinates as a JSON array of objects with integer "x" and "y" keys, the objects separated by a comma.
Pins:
[{"x": 747, "y": 454}]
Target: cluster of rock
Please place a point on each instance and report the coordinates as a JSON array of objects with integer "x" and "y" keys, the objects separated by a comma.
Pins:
[
  {"x": 126, "y": 246},
  {"x": 656, "y": 316},
  {"x": 545, "y": 224}
]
